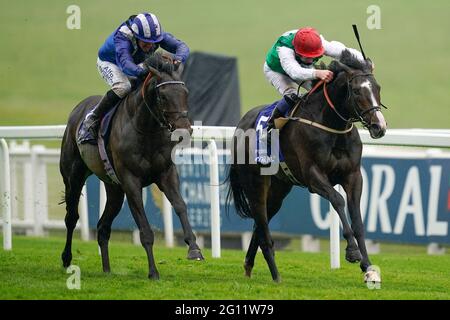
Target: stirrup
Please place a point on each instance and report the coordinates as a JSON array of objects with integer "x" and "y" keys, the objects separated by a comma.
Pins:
[{"x": 88, "y": 134}]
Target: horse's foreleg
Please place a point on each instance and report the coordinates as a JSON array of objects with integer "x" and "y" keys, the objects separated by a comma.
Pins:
[
  {"x": 133, "y": 190},
  {"x": 169, "y": 184},
  {"x": 114, "y": 203},
  {"x": 353, "y": 188},
  {"x": 319, "y": 183}
]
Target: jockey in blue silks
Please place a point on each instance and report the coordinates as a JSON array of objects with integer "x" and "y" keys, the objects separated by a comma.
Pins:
[{"x": 121, "y": 57}]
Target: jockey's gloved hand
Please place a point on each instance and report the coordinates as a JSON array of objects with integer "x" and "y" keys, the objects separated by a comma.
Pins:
[
  {"x": 145, "y": 71},
  {"x": 325, "y": 75},
  {"x": 178, "y": 65}
]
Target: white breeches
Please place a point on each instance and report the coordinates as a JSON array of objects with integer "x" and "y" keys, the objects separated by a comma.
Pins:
[
  {"x": 116, "y": 79},
  {"x": 282, "y": 82}
]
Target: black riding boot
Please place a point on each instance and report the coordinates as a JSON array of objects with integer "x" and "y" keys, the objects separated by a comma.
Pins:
[
  {"x": 276, "y": 113},
  {"x": 89, "y": 131},
  {"x": 283, "y": 106}
]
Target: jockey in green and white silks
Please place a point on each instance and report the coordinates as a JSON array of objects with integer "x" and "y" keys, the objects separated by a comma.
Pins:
[{"x": 290, "y": 63}]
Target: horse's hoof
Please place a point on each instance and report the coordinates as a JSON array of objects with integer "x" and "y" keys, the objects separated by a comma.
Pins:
[
  {"x": 248, "y": 270},
  {"x": 277, "y": 279},
  {"x": 154, "y": 276},
  {"x": 66, "y": 259},
  {"x": 195, "y": 254},
  {"x": 372, "y": 276},
  {"x": 353, "y": 256}
]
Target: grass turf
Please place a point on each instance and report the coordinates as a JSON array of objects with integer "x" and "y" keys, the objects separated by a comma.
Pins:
[{"x": 32, "y": 270}]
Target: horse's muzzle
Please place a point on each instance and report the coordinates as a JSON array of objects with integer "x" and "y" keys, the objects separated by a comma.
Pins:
[
  {"x": 378, "y": 125},
  {"x": 376, "y": 131}
]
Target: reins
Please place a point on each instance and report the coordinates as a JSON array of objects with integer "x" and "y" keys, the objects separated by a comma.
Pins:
[
  {"x": 166, "y": 123},
  {"x": 330, "y": 103}
]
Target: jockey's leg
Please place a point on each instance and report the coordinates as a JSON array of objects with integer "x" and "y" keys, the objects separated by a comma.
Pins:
[
  {"x": 120, "y": 87},
  {"x": 92, "y": 120},
  {"x": 288, "y": 89},
  {"x": 283, "y": 107}
]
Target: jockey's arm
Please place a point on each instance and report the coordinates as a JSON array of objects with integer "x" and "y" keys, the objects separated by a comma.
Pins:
[
  {"x": 290, "y": 65},
  {"x": 334, "y": 49},
  {"x": 124, "y": 58},
  {"x": 175, "y": 46}
]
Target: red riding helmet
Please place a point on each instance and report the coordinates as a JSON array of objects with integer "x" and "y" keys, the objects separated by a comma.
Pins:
[{"x": 307, "y": 43}]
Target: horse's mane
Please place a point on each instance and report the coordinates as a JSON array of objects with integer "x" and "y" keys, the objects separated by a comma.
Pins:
[
  {"x": 351, "y": 61},
  {"x": 160, "y": 62},
  {"x": 348, "y": 59}
]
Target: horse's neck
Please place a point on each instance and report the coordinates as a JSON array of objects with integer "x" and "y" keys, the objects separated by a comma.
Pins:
[
  {"x": 317, "y": 108},
  {"x": 139, "y": 114}
]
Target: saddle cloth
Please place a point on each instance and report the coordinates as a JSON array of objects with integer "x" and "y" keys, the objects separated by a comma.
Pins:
[{"x": 260, "y": 125}]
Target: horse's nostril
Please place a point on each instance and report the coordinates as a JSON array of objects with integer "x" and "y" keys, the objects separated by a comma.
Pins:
[
  {"x": 375, "y": 127},
  {"x": 376, "y": 131}
]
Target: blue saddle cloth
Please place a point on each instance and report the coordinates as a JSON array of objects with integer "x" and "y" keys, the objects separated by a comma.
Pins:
[{"x": 260, "y": 125}]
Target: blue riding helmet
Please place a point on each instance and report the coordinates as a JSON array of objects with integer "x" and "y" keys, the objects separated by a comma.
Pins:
[{"x": 147, "y": 28}]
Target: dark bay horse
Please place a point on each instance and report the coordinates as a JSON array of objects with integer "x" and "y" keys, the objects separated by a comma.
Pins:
[
  {"x": 140, "y": 150},
  {"x": 320, "y": 154}
]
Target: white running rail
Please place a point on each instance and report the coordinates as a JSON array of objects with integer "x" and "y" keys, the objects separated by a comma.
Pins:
[{"x": 396, "y": 137}]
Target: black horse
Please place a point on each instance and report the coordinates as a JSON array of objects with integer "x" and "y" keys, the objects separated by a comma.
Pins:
[
  {"x": 140, "y": 150},
  {"x": 322, "y": 148}
]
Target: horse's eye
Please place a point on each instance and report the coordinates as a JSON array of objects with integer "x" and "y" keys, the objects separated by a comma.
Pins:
[{"x": 356, "y": 90}]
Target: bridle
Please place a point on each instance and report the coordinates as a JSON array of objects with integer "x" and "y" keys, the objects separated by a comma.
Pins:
[
  {"x": 350, "y": 97},
  {"x": 356, "y": 107},
  {"x": 160, "y": 117}
]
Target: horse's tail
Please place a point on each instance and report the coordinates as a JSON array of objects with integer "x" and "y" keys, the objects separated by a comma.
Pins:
[{"x": 236, "y": 193}]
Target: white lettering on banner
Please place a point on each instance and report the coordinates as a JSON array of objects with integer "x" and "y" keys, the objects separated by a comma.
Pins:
[
  {"x": 379, "y": 196},
  {"x": 410, "y": 203},
  {"x": 364, "y": 194},
  {"x": 195, "y": 193},
  {"x": 435, "y": 227},
  {"x": 411, "y": 191}
]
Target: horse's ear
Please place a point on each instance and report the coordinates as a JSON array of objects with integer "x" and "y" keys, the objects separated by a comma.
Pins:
[
  {"x": 344, "y": 67},
  {"x": 370, "y": 65},
  {"x": 178, "y": 68}
]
